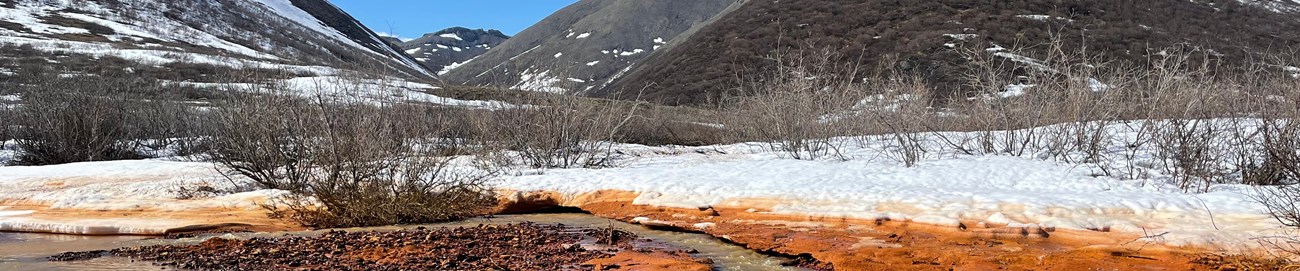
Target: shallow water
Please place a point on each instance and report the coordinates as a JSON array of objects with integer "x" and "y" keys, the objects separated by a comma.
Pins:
[{"x": 24, "y": 251}]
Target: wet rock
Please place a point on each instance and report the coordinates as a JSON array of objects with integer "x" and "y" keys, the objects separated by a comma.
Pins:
[{"x": 486, "y": 247}]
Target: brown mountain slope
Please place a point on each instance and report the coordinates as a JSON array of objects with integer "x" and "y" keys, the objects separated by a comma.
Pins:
[{"x": 926, "y": 36}]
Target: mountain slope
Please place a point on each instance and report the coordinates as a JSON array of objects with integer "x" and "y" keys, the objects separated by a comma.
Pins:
[
  {"x": 586, "y": 44},
  {"x": 300, "y": 35},
  {"x": 447, "y": 49},
  {"x": 926, "y": 38}
]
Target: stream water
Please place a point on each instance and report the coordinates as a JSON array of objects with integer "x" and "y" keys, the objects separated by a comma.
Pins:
[{"x": 24, "y": 251}]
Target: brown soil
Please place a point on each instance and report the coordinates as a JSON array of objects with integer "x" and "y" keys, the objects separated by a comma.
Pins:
[
  {"x": 486, "y": 247},
  {"x": 853, "y": 244}
]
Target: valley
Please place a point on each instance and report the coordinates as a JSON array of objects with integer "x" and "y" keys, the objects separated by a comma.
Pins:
[{"x": 712, "y": 134}]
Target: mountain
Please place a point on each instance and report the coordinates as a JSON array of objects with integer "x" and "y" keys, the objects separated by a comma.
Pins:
[
  {"x": 927, "y": 38},
  {"x": 585, "y": 45},
  {"x": 192, "y": 40},
  {"x": 445, "y": 50}
]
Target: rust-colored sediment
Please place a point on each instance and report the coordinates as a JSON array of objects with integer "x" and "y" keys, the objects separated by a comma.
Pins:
[
  {"x": 653, "y": 261},
  {"x": 208, "y": 219},
  {"x": 855, "y": 244},
  {"x": 838, "y": 243}
]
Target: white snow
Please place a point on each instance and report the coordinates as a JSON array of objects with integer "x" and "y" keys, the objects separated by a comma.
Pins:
[
  {"x": 286, "y": 9},
  {"x": 1097, "y": 85},
  {"x": 584, "y": 35},
  {"x": 16, "y": 213},
  {"x": 377, "y": 91},
  {"x": 558, "y": 55},
  {"x": 116, "y": 185},
  {"x": 1279, "y": 6},
  {"x": 1295, "y": 71},
  {"x": 412, "y": 51},
  {"x": 154, "y": 57},
  {"x": 454, "y": 65},
  {"x": 1043, "y": 18},
  {"x": 1014, "y": 90},
  {"x": 999, "y": 51},
  {"x": 593, "y": 63},
  {"x": 961, "y": 37},
  {"x": 539, "y": 81},
  {"x": 630, "y": 53},
  {"x": 451, "y": 36},
  {"x": 944, "y": 189}
]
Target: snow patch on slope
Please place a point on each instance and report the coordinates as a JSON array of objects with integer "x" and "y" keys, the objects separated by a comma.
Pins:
[{"x": 539, "y": 81}]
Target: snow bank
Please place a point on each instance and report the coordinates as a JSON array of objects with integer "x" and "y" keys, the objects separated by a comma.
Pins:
[
  {"x": 947, "y": 189},
  {"x": 139, "y": 185},
  {"x": 117, "y": 226},
  {"x": 119, "y": 185}
]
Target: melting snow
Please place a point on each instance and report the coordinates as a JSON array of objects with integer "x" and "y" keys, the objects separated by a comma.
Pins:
[
  {"x": 539, "y": 81},
  {"x": 454, "y": 65},
  {"x": 451, "y": 36},
  {"x": 946, "y": 187},
  {"x": 961, "y": 37},
  {"x": 1043, "y": 18},
  {"x": 630, "y": 53},
  {"x": 1014, "y": 90}
]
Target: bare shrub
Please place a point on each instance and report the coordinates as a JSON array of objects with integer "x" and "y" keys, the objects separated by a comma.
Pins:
[
  {"x": 901, "y": 115},
  {"x": 62, "y": 127},
  {"x": 349, "y": 162},
  {"x": 557, "y": 131},
  {"x": 797, "y": 110},
  {"x": 659, "y": 126}
]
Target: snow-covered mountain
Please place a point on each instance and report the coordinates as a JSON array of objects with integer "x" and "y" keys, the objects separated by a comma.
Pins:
[
  {"x": 449, "y": 48},
  {"x": 586, "y": 44},
  {"x": 308, "y": 37}
]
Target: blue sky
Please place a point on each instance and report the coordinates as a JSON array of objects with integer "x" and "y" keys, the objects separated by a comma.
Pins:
[{"x": 412, "y": 18}]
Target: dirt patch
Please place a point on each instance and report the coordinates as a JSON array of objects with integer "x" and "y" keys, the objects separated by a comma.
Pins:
[
  {"x": 853, "y": 244},
  {"x": 486, "y": 247}
]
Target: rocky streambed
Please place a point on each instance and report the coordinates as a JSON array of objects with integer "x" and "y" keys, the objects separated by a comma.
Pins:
[
  {"x": 566, "y": 241},
  {"x": 524, "y": 246}
]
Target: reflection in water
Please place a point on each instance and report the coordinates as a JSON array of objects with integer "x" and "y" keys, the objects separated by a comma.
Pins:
[{"x": 21, "y": 251}]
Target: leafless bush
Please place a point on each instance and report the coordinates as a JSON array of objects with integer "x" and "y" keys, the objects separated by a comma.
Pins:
[
  {"x": 557, "y": 131},
  {"x": 797, "y": 110},
  {"x": 350, "y": 162},
  {"x": 61, "y": 127},
  {"x": 901, "y": 115}
]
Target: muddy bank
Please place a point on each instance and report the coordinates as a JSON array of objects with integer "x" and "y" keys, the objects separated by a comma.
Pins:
[
  {"x": 828, "y": 243},
  {"x": 523, "y": 246}
]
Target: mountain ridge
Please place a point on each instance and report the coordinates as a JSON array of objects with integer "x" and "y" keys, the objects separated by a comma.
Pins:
[{"x": 447, "y": 49}]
